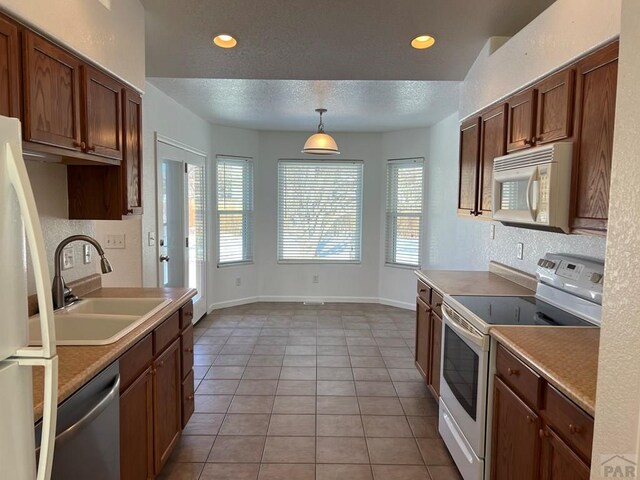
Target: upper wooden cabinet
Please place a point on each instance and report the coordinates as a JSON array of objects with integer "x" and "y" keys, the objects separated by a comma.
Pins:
[
  {"x": 521, "y": 129},
  {"x": 468, "y": 174},
  {"x": 10, "y": 87},
  {"x": 597, "y": 76},
  {"x": 554, "y": 117},
  {"x": 492, "y": 145},
  {"x": 52, "y": 94},
  {"x": 103, "y": 114},
  {"x": 132, "y": 153}
]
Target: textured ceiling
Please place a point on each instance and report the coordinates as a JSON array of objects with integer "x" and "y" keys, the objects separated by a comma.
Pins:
[{"x": 354, "y": 106}]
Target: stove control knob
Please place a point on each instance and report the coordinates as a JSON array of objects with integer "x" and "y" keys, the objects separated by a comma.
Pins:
[
  {"x": 596, "y": 277},
  {"x": 550, "y": 264},
  {"x": 541, "y": 262}
]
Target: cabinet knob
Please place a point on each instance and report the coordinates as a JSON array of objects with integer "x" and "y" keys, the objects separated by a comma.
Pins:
[
  {"x": 80, "y": 145},
  {"x": 529, "y": 141},
  {"x": 91, "y": 148},
  {"x": 574, "y": 429},
  {"x": 529, "y": 419},
  {"x": 130, "y": 211},
  {"x": 160, "y": 363},
  {"x": 190, "y": 397},
  {"x": 542, "y": 433},
  {"x": 472, "y": 212},
  {"x": 512, "y": 371}
]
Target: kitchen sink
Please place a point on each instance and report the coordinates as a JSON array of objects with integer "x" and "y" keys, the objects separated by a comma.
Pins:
[{"x": 98, "y": 321}]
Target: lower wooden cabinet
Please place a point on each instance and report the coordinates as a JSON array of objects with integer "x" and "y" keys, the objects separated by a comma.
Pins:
[
  {"x": 559, "y": 461},
  {"x": 429, "y": 336},
  {"x": 436, "y": 349},
  {"x": 136, "y": 429},
  {"x": 423, "y": 327}
]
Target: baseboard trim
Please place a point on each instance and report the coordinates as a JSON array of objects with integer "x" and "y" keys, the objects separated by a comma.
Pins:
[{"x": 301, "y": 299}]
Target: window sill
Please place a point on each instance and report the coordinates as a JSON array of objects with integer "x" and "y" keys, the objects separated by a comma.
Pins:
[
  {"x": 319, "y": 262},
  {"x": 234, "y": 264},
  {"x": 403, "y": 266}
]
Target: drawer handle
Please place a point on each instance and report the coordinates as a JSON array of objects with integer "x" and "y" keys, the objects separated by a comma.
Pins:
[
  {"x": 423, "y": 290},
  {"x": 574, "y": 429},
  {"x": 513, "y": 371}
]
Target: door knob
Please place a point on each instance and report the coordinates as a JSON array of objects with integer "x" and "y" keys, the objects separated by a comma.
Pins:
[{"x": 164, "y": 258}]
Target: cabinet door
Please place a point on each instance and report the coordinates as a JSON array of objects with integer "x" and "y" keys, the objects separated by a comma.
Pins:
[
  {"x": 167, "y": 400},
  {"x": 597, "y": 76},
  {"x": 132, "y": 153},
  {"x": 492, "y": 145},
  {"x": 9, "y": 70},
  {"x": 103, "y": 114},
  {"x": 186, "y": 344},
  {"x": 423, "y": 338},
  {"x": 436, "y": 349},
  {"x": 515, "y": 449},
  {"x": 468, "y": 174},
  {"x": 136, "y": 429},
  {"x": 559, "y": 462},
  {"x": 555, "y": 107},
  {"x": 521, "y": 127},
  {"x": 52, "y": 94}
]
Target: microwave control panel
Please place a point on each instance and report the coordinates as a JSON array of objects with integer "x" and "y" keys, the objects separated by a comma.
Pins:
[{"x": 579, "y": 275}]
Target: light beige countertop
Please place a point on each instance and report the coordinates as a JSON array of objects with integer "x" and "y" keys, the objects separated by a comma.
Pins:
[
  {"x": 567, "y": 357},
  {"x": 461, "y": 282},
  {"x": 79, "y": 364}
]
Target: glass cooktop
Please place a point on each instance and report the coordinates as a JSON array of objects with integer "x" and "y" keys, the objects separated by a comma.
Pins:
[{"x": 518, "y": 311}]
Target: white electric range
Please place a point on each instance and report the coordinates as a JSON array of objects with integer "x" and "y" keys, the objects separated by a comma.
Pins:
[{"x": 568, "y": 294}]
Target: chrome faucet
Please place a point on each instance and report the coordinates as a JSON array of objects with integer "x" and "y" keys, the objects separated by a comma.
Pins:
[{"x": 62, "y": 293}]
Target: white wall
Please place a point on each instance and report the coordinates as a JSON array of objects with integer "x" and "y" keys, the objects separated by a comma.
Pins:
[
  {"x": 110, "y": 37},
  {"x": 559, "y": 34},
  {"x": 617, "y": 428},
  {"x": 126, "y": 262}
]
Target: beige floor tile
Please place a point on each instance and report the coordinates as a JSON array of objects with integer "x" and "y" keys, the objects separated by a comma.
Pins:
[
  {"x": 268, "y": 349},
  {"x": 300, "y": 350},
  {"x": 444, "y": 473},
  {"x": 257, "y": 387},
  {"x": 192, "y": 448},
  {"x": 201, "y": 360},
  {"x": 217, "y": 387},
  {"x": 200, "y": 371},
  {"x": 395, "y": 352},
  {"x": 261, "y": 373},
  {"x": 367, "y": 362},
  {"x": 237, "y": 350},
  {"x": 181, "y": 471},
  {"x": 394, "y": 451},
  {"x": 296, "y": 387},
  {"x": 204, "y": 424},
  {"x": 330, "y": 340},
  {"x": 292, "y": 425},
  {"x": 424, "y": 427},
  {"x": 230, "y": 471},
  {"x": 343, "y": 472},
  {"x": 380, "y": 406},
  {"x": 334, "y": 361},
  {"x": 332, "y": 350},
  {"x": 399, "y": 362},
  {"x": 334, "y": 373},
  {"x": 341, "y": 450},
  {"x": 280, "y": 471},
  {"x": 289, "y": 450},
  {"x": 332, "y": 405},
  {"x": 231, "y": 360},
  {"x": 224, "y": 373},
  {"x": 364, "y": 351},
  {"x": 298, "y": 373},
  {"x": 411, "y": 389},
  {"x": 420, "y": 406},
  {"x": 240, "y": 449},
  {"x": 386, "y": 426},
  {"x": 371, "y": 374},
  {"x": 265, "y": 361},
  {"x": 295, "y": 405},
  {"x": 405, "y": 375},
  {"x": 212, "y": 403},
  {"x": 434, "y": 452},
  {"x": 375, "y": 389},
  {"x": 336, "y": 388},
  {"x": 299, "y": 361},
  {"x": 399, "y": 472},
  {"x": 339, "y": 426},
  {"x": 251, "y": 404},
  {"x": 245, "y": 424},
  {"x": 300, "y": 340}
]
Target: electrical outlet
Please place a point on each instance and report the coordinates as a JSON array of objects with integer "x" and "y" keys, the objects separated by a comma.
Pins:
[
  {"x": 151, "y": 239},
  {"x": 114, "y": 240},
  {"x": 68, "y": 259},
  {"x": 86, "y": 254},
  {"x": 520, "y": 252},
  {"x": 492, "y": 231},
  {"x": 238, "y": 282},
  {"x": 316, "y": 279}
]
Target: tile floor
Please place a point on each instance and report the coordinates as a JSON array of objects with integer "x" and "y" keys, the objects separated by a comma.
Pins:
[{"x": 329, "y": 392}]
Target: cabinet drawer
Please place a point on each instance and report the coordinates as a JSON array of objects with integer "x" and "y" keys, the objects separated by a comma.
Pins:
[
  {"x": 165, "y": 333},
  {"x": 186, "y": 315},
  {"x": 436, "y": 303},
  {"x": 186, "y": 344},
  {"x": 518, "y": 376},
  {"x": 188, "y": 399},
  {"x": 135, "y": 361},
  {"x": 424, "y": 292},
  {"x": 569, "y": 421}
]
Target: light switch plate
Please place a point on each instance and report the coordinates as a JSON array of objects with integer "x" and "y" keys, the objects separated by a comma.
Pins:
[
  {"x": 86, "y": 254},
  {"x": 114, "y": 240},
  {"x": 520, "y": 251},
  {"x": 68, "y": 260},
  {"x": 151, "y": 239}
]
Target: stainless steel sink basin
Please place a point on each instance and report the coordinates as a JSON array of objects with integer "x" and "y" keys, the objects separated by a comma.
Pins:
[{"x": 98, "y": 321}]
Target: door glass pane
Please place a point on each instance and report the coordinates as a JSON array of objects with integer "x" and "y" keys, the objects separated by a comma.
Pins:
[
  {"x": 173, "y": 238},
  {"x": 196, "y": 228},
  {"x": 460, "y": 370},
  {"x": 513, "y": 195}
]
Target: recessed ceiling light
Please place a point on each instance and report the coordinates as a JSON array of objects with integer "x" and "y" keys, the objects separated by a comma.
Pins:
[
  {"x": 225, "y": 41},
  {"x": 423, "y": 41}
]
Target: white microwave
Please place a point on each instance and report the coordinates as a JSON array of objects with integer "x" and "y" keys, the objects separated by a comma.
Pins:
[{"x": 533, "y": 187}]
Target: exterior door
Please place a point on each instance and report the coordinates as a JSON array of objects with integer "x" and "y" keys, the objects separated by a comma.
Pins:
[{"x": 181, "y": 221}]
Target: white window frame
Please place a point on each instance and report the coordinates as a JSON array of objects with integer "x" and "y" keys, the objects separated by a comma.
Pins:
[
  {"x": 248, "y": 240},
  {"x": 360, "y": 197},
  {"x": 391, "y": 213}
]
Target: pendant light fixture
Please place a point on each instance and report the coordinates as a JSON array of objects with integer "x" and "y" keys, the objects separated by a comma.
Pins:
[{"x": 320, "y": 143}]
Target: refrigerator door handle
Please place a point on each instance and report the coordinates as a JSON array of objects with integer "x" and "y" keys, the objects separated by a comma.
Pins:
[
  {"x": 49, "y": 412},
  {"x": 19, "y": 179}
]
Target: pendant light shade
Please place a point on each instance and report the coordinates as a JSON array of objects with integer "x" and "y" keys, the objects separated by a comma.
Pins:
[{"x": 321, "y": 143}]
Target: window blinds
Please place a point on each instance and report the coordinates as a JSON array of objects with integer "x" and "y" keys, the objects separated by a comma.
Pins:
[
  {"x": 319, "y": 211},
  {"x": 403, "y": 229},
  {"x": 234, "y": 210}
]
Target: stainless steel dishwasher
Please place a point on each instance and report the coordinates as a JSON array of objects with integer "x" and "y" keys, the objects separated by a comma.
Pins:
[{"x": 88, "y": 431}]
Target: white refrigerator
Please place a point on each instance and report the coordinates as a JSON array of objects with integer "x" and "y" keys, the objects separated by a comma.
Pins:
[{"x": 19, "y": 228}]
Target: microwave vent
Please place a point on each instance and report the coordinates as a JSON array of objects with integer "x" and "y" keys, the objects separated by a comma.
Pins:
[{"x": 534, "y": 156}]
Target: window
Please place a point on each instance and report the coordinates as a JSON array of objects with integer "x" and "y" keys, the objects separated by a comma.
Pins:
[
  {"x": 319, "y": 211},
  {"x": 403, "y": 233},
  {"x": 235, "y": 210}
]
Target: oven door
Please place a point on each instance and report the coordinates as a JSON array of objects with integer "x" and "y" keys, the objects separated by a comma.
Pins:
[
  {"x": 465, "y": 363},
  {"x": 520, "y": 195}
]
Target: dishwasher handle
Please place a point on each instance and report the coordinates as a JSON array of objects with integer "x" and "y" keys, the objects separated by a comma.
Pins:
[{"x": 96, "y": 410}]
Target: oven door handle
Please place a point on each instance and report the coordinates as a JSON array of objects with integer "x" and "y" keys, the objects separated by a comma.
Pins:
[
  {"x": 532, "y": 194},
  {"x": 473, "y": 336}
]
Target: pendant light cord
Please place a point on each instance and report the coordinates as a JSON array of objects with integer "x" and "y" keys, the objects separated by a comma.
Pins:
[{"x": 321, "y": 125}]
